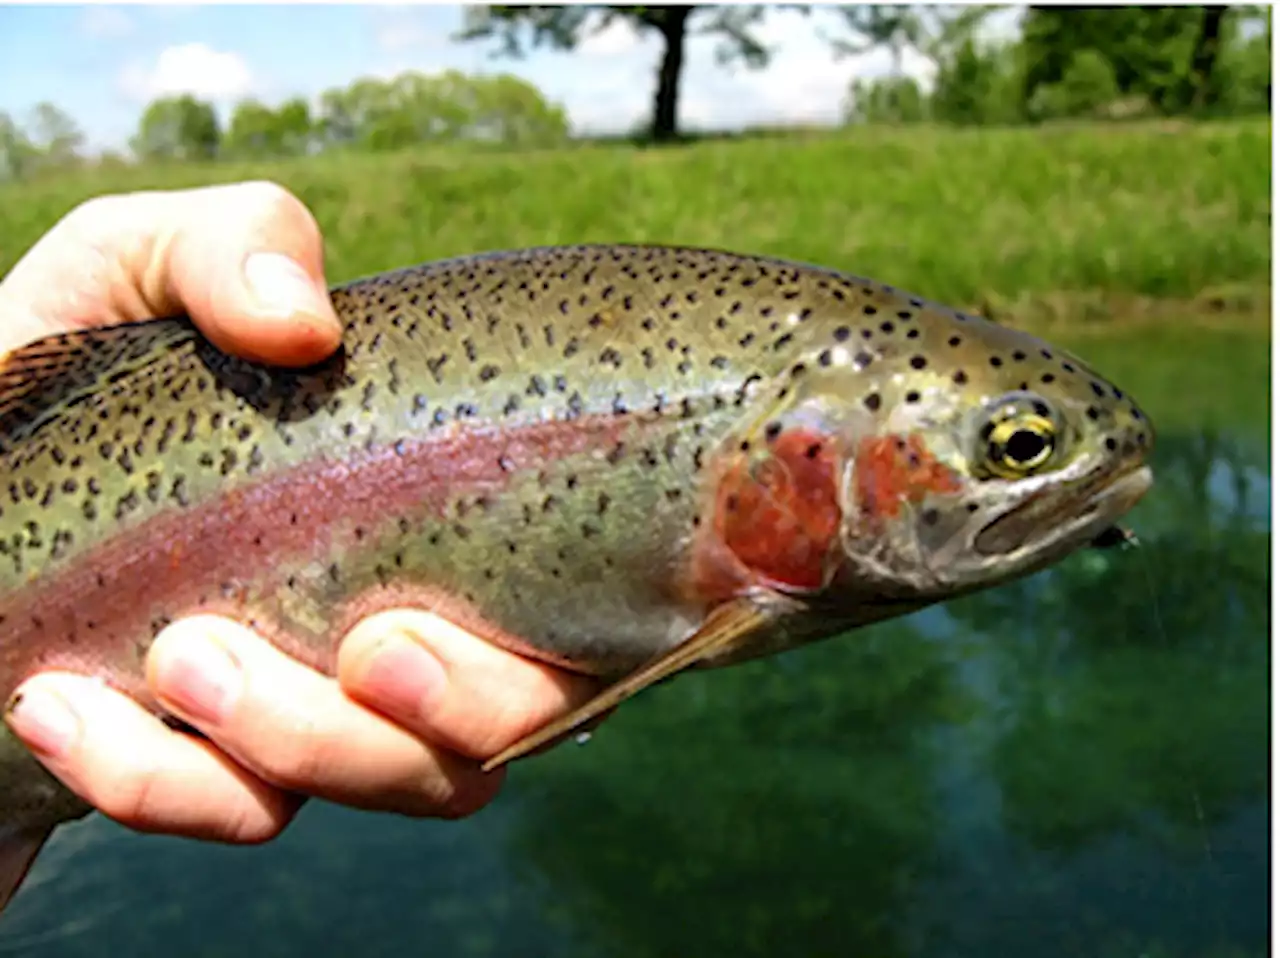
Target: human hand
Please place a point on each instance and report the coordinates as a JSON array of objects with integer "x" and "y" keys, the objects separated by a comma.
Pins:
[{"x": 417, "y": 702}]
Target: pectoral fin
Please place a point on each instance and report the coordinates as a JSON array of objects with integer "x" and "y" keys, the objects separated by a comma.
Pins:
[{"x": 723, "y": 629}]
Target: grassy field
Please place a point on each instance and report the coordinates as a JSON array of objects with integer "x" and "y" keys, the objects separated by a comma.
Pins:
[{"x": 1104, "y": 221}]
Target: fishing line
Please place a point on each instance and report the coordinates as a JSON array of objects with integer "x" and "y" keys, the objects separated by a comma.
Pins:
[{"x": 1131, "y": 542}]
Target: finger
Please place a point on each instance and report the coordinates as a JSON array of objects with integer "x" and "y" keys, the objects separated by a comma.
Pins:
[
  {"x": 247, "y": 262},
  {"x": 488, "y": 699},
  {"x": 294, "y": 727},
  {"x": 132, "y": 767}
]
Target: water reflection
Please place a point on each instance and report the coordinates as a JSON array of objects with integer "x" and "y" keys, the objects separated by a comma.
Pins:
[
  {"x": 1084, "y": 749},
  {"x": 1075, "y": 764}
]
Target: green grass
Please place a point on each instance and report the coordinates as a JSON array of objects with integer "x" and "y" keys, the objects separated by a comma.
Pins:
[{"x": 964, "y": 216}]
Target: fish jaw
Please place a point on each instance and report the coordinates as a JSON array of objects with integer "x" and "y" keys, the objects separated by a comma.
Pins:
[
  {"x": 932, "y": 533},
  {"x": 1062, "y": 518}
]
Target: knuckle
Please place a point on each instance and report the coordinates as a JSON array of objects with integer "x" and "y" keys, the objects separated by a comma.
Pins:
[{"x": 274, "y": 200}]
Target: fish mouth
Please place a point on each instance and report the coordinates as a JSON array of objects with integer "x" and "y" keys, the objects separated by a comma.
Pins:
[{"x": 1083, "y": 511}]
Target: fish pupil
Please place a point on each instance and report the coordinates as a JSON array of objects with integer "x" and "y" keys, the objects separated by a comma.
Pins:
[{"x": 1024, "y": 445}]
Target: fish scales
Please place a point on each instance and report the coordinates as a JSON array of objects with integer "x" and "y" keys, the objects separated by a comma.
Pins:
[
  {"x": 581, "y": 453},
  {"x": 619, "y": 368}
]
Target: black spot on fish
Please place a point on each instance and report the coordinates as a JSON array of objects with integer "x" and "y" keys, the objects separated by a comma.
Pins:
[{"x": 435, "y": 364}]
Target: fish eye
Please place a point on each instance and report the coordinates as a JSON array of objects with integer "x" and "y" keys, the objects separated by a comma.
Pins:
[{"x": 1019, "y": 436}]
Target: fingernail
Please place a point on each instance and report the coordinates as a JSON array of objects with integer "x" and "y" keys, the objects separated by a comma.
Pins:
[
  {"x": 403, "y": 677},
  {"x": 283, "y": 288},
  {"x": 198, "y": 678},
  {"x": 45, "y": 721}
]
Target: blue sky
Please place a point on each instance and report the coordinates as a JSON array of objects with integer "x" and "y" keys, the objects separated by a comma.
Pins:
[{"x": 102, "y": 64}]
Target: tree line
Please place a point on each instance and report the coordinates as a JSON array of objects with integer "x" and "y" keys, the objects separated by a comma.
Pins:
[
  {"x": 370, "y": 114},
  {"x": 1065, "y": 62},
  {"x": 1091, "y": 63}
]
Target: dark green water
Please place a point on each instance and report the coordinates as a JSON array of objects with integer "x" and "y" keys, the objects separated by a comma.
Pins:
[{"x": 1073, "y": 765}]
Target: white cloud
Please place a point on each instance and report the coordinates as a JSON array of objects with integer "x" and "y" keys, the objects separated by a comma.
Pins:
[
  {"x": 193, "y": 68},
  {"x": 106, "y": 23}
]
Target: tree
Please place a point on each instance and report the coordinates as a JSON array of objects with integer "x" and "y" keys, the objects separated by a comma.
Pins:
[
  {"x": 251, "y": 131},
  {"x": 448, "y": 107},
  {"x": 887, "y": 100},
  {"x": 56, "y": 140},
  {"x": 563, "y": 27},
  {"x": 1087, "y": 87},
  {"x": 931, "y": 31},
  {"x": 896, "y": 28},
  {"x": 259, "y": 131},
  {"x": 177, "y": 128},
  {"x": 1204, "y": 55},
  {"x": 978, "y": 85},
  {"x": 1241, "y": 79},
  {"x": 506, "y": 109},
  {"x": 963, "y": 87},
  {"x": 297, "y": 130},
  {"x": 1165, "y": 55},
  {"x": 349, "y": 114},
  {"x": 16, "y": 151}
]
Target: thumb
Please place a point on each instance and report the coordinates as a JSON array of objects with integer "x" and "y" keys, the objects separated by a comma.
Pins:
[{"x": 246, "y": 261}]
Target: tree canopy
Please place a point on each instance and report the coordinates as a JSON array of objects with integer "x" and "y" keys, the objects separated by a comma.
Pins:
[
  {"x": 177, "y": 128},
  {"x": 451, "y": 106},
  {"x": 50, "y": 139},
  {"x": 565, "y": 27},
  {"x": 1053, "y": 62},
  {"x": 1070, "y": 62}
]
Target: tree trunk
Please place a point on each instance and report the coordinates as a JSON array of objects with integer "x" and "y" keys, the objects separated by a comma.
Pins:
[
  {"x": 1205, "y": 55},
  {"x": 670, "y": 22}
]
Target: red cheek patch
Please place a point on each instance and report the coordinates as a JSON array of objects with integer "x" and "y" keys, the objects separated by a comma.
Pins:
[
  {"x": 893, "y": 470},
  {"x": 778, "y": 511}
]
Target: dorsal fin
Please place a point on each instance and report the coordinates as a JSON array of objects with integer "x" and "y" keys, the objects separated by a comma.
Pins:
[{"x": 38, "y": 379}]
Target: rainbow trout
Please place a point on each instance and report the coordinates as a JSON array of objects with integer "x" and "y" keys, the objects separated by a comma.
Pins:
[{"x": 622, "y": 460}]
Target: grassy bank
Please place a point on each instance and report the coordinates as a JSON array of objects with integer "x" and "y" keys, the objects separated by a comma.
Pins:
[{"x": 1106, "y": 214}]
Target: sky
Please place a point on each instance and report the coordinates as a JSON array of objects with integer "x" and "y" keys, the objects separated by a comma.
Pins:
[{"x": 103, "y": 64}]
